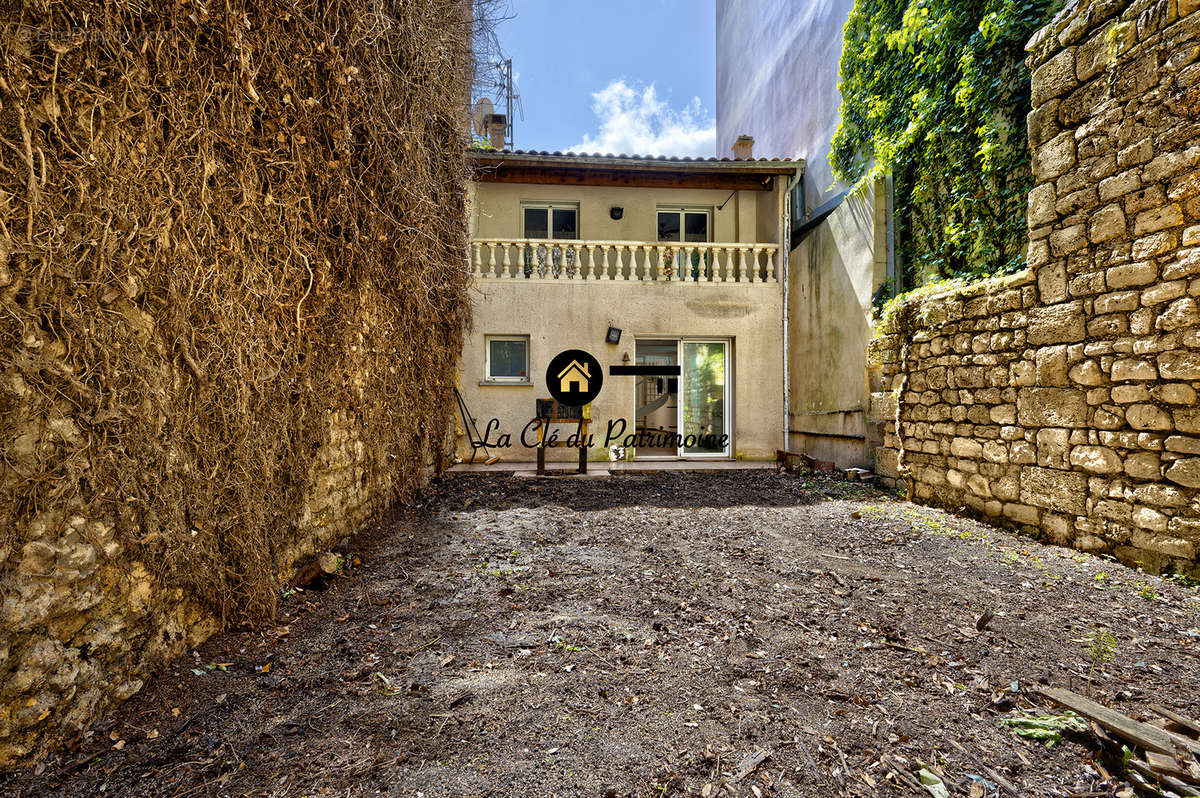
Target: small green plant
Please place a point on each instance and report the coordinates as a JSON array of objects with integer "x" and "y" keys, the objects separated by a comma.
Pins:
[
  {"x": 1046, "y": 728},
  {"x": 1145, "y": 591},
  {"x": 1102, "y": 647}
]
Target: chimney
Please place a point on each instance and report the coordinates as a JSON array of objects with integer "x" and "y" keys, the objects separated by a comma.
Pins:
[
  {"x": 497, "y": 126},
  {"x": 743, "y": 148}
]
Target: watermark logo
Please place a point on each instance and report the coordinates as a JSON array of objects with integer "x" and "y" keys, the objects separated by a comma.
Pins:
[
  {"x": 62, "y": 40},
  {"x": 574, "y": 377}
]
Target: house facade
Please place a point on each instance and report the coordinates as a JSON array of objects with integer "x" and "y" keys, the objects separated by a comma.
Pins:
[{"x": 671, "y": 273}]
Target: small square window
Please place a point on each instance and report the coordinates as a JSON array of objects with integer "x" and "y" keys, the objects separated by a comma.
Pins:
[{"x": 506, "y": 358}]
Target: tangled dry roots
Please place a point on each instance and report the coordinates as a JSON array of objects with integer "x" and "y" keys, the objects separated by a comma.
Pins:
[{"x": 220, "y": 223}]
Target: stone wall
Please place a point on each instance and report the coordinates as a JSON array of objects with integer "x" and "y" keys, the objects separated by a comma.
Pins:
[
  {"x": 85, "y": 622},
  {"x": 222, "y": 346},
  {"x": 1064, "y": 399}
]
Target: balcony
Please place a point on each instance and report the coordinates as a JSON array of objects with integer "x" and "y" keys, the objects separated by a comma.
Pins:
[{"x": 638, "y": 261}]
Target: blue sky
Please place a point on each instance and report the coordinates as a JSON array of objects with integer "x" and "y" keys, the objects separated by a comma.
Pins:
[{"x": 614, "y": 76}]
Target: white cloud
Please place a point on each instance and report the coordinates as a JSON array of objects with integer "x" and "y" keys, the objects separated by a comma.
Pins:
[{"x": 634, "y": 120}]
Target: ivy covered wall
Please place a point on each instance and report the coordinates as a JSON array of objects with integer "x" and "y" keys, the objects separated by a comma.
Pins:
[{"x": 937, "y": 92}]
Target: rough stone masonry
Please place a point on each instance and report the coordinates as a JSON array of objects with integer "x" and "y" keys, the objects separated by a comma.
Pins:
[{"x": 1064, "y": 398}]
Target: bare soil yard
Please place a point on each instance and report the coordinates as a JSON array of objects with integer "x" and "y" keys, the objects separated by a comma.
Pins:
[{"x": 648, "y": 635}]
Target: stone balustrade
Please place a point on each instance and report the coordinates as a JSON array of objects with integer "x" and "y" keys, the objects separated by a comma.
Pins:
[{"x": 646, "y": 261}]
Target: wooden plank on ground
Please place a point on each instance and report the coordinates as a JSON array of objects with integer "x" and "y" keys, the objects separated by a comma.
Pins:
[
  {"x": 749, "y": 763},
  {"x": 1179, "y": 786},
  {"x": 1142, "y": 734},
  {"x": 1175, "y": 717}
]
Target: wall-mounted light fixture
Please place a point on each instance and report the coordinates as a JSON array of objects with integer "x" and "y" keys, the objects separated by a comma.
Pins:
[
  {"x": 616, "y": 213},
  {"x": 625, "y": 358},
  {"x": 613, "y": 336}
]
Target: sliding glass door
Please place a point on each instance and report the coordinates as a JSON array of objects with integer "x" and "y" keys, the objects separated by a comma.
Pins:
[
  {"x": 704, "y": 406},
  {"x": 689, "y": 415}
]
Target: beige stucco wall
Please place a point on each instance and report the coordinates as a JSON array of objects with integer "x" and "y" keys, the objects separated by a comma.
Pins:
[
  {"x": 496, "y": 210},
  {"x": 573, "y": 314},
  {"x": 833, "y": 274},
  {"x": 777, "y": 74}
]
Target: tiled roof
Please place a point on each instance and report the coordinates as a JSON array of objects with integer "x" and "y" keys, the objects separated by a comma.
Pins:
[
  {"x": 623, "y": 156},
  {"x": 635, "y": 156}
]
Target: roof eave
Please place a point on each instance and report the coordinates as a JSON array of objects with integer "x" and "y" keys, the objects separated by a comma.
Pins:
[{"x": 603, "y": 163}]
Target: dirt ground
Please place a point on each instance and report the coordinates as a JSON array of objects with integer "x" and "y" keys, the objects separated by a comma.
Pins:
[{"x": 648, "y": 635}]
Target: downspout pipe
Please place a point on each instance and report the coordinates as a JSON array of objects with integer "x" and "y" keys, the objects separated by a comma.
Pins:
[{"x": 893, "y": 279}]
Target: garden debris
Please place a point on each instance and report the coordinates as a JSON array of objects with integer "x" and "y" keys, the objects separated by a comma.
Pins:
[
  {"x": 1046, "y": 728},
  {"x": 932, "y": 783},
  {"x": 659, "y": 588},
  {"x": 749, "y": 763},
  {"x": 316, "y": 571},
  {"x": 1169, "y": 755}
]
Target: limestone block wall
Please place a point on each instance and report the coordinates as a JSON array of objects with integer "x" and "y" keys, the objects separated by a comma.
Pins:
[
  {"x": 1064, "y": 399},
  {"x": 83, "y": 621},
  {"x": 222, "y": 346}
]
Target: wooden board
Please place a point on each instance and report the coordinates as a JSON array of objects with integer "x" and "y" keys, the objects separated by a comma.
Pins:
[
  {"x": 1142, "y": 734},
  {"x": 1177, "y": 719}
]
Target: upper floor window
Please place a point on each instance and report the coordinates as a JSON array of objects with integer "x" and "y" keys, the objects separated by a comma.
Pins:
[
  {"x": 683, "y": 224},
  {"x": 550, "y": 220}
]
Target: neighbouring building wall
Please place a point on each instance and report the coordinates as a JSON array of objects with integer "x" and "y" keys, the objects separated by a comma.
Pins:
[
  {"x": 832, "y": 276},
  {"x": 1064, "y": 399},
  {"x": 777, "y": 67}
]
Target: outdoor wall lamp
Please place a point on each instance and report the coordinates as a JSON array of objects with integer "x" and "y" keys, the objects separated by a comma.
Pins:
[
  {"x": 613, "y": 336},
  {"x": 616, "y": 213}
]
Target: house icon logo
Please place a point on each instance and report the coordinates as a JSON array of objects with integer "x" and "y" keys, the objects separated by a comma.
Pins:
[{"x": 574, "y": 377}]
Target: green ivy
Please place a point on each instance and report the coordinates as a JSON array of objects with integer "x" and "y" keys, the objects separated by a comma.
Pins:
[{"x": 936, "y": 91}]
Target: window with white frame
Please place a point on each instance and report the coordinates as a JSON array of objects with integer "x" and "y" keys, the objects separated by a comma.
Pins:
[
  {"x": 684, "y": 224},
  {"x": 506, "y": 358},
  {"x": 553, "y": 220}
]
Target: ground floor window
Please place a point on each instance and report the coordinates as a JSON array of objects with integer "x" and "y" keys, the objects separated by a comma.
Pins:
[{"x": 506, "y": 358}]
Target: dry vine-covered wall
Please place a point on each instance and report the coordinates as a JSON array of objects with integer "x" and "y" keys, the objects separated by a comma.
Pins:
[
  {"x": 232, "y": 295},
  {"x": 1065, "y": 398}
]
